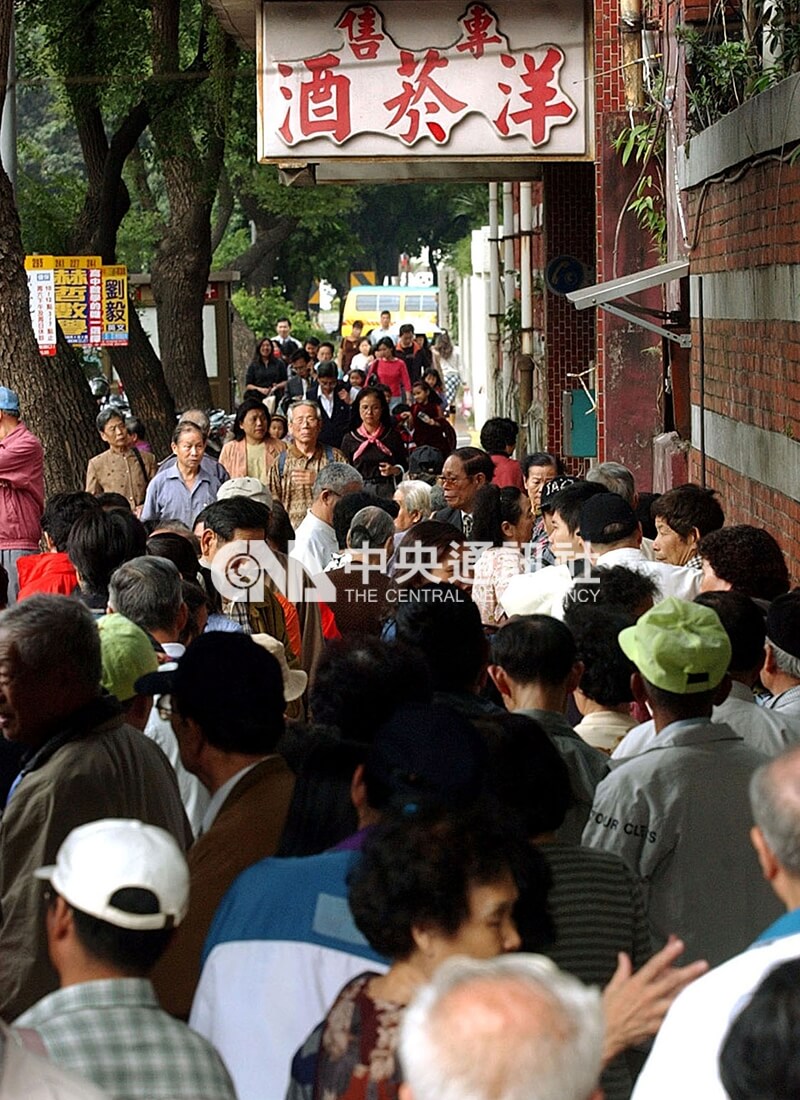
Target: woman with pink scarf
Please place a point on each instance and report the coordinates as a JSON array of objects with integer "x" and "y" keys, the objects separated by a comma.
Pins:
[{"x": 373, "y": 446}]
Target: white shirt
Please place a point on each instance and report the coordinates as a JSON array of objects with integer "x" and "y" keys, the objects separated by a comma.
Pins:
[
  {"x": 315, "y": 543},
  {"x": 326, "y": 401},
  {"x": 761, "y": 729},
  {"x": 683, "y": 1061},
  {"x": 219, "y": 796},
  {"x": 540, "y": 593},
  {"x": 193, "y": 794},
  {"x": 672, "y": 580}
]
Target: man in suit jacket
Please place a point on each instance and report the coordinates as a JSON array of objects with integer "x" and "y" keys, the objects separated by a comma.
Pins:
[
  {"x": 335, "y": 412},
  {"x": 303, "y": 384},
  {"x": 228, "y": 697},
  {"x": 465, "y": 470}
]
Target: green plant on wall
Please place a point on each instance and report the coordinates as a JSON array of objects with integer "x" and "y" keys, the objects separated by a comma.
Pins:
[
  {"x": 724, "y": 58},
  {"x": 643, "y": 142},
  {"x": 511, "y": 326}
]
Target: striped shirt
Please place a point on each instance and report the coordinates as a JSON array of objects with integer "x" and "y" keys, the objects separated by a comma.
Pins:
[{"x": 114, "y": 1033}]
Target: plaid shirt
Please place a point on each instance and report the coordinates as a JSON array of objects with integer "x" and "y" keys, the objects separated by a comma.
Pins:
[{"x": 114, "y": 1033}]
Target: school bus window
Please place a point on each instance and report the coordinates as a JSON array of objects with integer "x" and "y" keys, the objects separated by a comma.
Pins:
[
  {"x": 390, "y": 302},
  {"x": 365, "y": 303},
  {"x": 412, "y": 303},
  {"x": 429, "y": 303}
]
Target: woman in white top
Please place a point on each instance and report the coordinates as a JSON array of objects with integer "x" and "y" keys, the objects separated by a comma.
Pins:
[
  {"x": 502, "y": 518},
  {"x": 447, "y": 361}
]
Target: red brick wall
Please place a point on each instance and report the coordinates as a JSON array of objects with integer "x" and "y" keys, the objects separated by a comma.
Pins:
[
  {"x": 745, "y": 501},
  {"x": 569, "y": 333},
  {"x": 609, "y": 98},
  {"x": 752, "y": 368}
]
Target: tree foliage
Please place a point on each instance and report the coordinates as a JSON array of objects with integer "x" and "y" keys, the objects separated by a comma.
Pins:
[{"x": 137, "y": 138}]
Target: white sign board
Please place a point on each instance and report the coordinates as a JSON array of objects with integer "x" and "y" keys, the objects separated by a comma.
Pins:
[
  {"x": 42, "y": 298},
  {"x": 422, "y": 79}
]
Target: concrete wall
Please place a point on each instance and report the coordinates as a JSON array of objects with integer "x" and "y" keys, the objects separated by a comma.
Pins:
[{"x": 743, "y": 200}]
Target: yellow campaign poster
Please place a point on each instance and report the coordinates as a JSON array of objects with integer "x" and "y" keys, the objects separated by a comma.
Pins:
[
  {"x": 115, "y": 306},
  {"x": 78, "y": 298}
]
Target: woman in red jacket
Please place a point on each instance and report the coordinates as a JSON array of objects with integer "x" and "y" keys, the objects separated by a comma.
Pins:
[{"x": 390, "y": 371}]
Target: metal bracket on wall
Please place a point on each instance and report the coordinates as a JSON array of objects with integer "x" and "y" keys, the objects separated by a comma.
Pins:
[{"x": 602, "y": 295}]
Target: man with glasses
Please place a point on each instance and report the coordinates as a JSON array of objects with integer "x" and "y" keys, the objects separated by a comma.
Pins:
[
  {"x": 292, "y": 477},
  {"x": 465, "y": 470},
  {"x": 82, "y": 762}
]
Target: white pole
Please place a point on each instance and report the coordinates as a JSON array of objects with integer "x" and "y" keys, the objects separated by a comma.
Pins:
[
  {"x": 508, "y": 290},
  {"x": 8, "y": 125},
  {"x": 493, "y": 328}
]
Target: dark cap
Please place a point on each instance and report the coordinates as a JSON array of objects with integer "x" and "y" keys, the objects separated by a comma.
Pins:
[
  {"x": 606, "y": 518},
  {"x": 555, "y": 485},
  {"x": 783, "y": 622},
  {"x": 427, "y": 460},
  {"x": 427, "y": 755},
  {"x": 222, "y": 674}
]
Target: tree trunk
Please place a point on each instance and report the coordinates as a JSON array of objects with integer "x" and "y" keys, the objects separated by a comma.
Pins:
[
  {"x": 140, "y": 370},
  {"x": 54, "y": 395},
  {"x": 180, "y": 278},
  {"x": 191, "y": 177}
]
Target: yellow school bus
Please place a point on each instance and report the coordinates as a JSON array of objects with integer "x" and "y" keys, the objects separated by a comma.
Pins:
[{"x": 413, "y": 305}]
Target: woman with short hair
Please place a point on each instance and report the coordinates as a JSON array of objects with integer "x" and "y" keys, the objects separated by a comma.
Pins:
[{"x": 425, "y": 889}]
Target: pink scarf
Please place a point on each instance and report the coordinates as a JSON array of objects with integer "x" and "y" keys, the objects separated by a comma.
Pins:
[{"x": 374, "y": 438}]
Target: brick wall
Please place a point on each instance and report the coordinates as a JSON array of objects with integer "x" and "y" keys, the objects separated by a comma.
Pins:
[
  {"x": 745, "y": 501},
  {"x": 569, "y": 334},
  {"x": 752, "y": 367},
  {"x": 609, "y": 99}
]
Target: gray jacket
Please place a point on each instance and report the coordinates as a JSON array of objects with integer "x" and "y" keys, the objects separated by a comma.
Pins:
[{"x": 679, "y": 815}]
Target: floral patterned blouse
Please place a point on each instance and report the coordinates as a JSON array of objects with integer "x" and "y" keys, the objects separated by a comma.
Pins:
[{"x": 352, "y": 1054}]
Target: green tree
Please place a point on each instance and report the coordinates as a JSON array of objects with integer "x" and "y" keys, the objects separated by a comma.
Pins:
[{"x": 61, "y": 413}]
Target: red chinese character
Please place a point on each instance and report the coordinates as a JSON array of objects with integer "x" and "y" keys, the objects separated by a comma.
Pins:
[
  {"x": 324, "y": 106},
  {"x": 424, "y": 90},
  {"x": 362, "y": 27},
  {"x": 541, "y": 96},
  {"x": 480, "y": 27}
]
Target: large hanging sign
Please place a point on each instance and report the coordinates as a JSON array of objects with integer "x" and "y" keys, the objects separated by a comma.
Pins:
[{"x": 422, "y": 80}]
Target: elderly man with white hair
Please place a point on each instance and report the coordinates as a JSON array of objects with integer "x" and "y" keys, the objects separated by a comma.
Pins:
[
  {"x": 511, "y": 1028},
  {"x": 315, "y": 541},
  {"x": 291, "y": 479}
]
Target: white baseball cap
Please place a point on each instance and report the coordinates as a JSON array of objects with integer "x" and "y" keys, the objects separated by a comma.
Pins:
[
  {"x": 249, "y": 487},
  {"x": 100, "y": 858},
  {"x": 295, "y": 681}
]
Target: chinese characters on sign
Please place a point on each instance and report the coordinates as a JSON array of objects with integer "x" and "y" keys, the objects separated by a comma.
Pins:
[
  {"x": 115, "y": 305},
  {"x": 374, "y": 83},
  {"x": 42, "y": 297},
  {"x": 89, "y": 301}
]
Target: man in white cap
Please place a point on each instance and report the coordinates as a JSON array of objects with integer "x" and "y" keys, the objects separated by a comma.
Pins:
[
  {"x": 21, "y": 488},
  {"x": 116, "y": 892},
  {"x": 227, "y": 699}
]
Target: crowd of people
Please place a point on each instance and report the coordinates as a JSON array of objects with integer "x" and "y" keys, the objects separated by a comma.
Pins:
[{"x": 358, "y": 764}]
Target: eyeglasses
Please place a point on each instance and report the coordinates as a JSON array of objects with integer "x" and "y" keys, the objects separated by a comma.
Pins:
[
  {"x": 450, "y": 479},
  {"x": 164, "y": 708}
]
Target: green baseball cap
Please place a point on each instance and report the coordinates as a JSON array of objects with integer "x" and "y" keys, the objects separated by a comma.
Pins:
[
  {"x": 679, "y": 647},
  {"x": 127, "y": 654}
]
